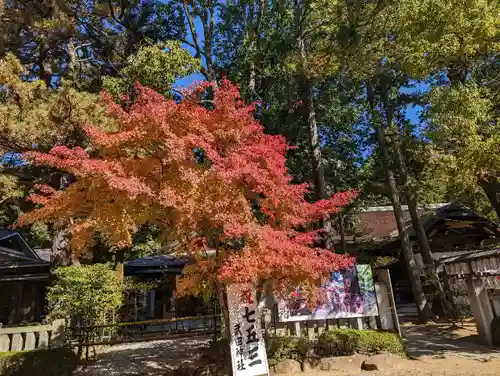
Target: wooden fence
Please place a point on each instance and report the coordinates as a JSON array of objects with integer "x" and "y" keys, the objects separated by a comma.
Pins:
[
  {"x": 32, "y": 337},
  {"x": 45, "y": 336},
  {"x": 85, "y": 337}
]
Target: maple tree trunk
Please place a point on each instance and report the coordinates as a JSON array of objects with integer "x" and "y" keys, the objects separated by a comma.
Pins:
[
  {"x": 423, "y": 309},
  {"x": 119, "y": 263},
  {"x": 221, "y": 294},
  {"x": 60, "y": 252}
]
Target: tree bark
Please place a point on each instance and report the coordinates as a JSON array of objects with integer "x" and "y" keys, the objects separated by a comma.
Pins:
[
  {"x": 314, "y": 144},
  {"x": 61, "y": 254},
  {"x": 207, "y": 17},
  {"x": 254, "y": 40},
  {"x": 422, "y": 240},
  {"x": 251, "y": 82},
  {"x": 221, "y": 295},
  {"x": 119, "y": 263},
  {"x": 342, "y": 232},
  {"x": 308, "y": 101},
  {"x": 423, "y": 309},
  {"x": 491, "y": 187}
]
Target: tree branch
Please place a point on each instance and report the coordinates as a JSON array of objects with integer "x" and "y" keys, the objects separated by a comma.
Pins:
[{"x": 192, "y": 29}]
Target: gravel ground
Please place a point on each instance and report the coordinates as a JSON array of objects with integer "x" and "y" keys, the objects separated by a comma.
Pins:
[
  {"x": 145, "y": 358},
  {"x": 436, "y": 350}
]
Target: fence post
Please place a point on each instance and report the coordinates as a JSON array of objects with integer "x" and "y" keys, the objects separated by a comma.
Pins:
[
  {"x": 297, "y": 329},
  {"x": 57, "y": 338},
  {"x": 17, "y": 342},
  {"x": 43, "y": 340},
  {"x": 385, "y": 277},
  {"x": 384, "y": 307},
  {"x": 29, "y": 341}
]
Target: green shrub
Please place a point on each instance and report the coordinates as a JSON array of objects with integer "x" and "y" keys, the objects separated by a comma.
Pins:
[
  {"x": 88, "y": 295},
  {"x": 495, "y": 331},
  {"x": 281, "y": 348},
  {"x": 53, "y": 362},
  {"x": 363, "y": 341}
]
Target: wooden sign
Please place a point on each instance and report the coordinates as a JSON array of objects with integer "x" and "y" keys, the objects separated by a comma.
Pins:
[{"x": 248, "y": 350}]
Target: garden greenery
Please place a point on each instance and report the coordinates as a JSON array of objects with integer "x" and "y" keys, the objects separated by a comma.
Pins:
[
  {"x": 364, "y": 341},
  {"x": 334, "y": 343},
  {"x": 60, "y": 361},
  {"x": 86, "y": 295}
]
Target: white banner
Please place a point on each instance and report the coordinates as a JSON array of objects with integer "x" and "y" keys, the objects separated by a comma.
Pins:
[{"x": 248, "y": 350}]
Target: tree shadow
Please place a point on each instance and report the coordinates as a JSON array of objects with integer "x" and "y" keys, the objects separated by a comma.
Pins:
[
  {"x": 146, "y": 358},
  {"x": 443, "y": 340}
]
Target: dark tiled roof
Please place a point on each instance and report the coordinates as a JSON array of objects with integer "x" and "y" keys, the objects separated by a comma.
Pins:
[
  {"x": 162, "y": 261},
  {"x": 12, "y": 242},
  {"x": 472, "y": 255},
  {"x": 5, "y": 233},
  {"x": 379, "y": 223}
]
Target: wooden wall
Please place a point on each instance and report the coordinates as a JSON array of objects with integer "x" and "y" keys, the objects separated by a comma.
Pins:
[{"x": 21, "y": 302}]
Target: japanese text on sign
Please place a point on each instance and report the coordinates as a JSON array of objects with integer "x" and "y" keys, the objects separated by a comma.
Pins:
[{"x": 247, "y": 347}]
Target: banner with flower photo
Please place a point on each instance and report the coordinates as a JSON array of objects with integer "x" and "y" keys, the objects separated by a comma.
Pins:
[{"x": 349, "y": 293}]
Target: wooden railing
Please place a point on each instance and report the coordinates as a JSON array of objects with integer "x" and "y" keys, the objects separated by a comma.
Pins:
[{"x": 32, "y": 337}]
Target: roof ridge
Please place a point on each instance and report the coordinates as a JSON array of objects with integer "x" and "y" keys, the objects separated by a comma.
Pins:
[{"x": 404, "y": 207}]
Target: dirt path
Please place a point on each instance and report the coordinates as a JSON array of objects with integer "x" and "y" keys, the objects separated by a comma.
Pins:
[
  {"x": 439, "y": 349},
  {"x": 441, "y": 341},
  {"x": 145, "y": 358},
  {"x": 435, "y": 350}
]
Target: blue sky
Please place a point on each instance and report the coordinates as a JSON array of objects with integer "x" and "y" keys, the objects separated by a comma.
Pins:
[
  {"x": 188, "y": 80},
  {"x": 413, "y": 112}
]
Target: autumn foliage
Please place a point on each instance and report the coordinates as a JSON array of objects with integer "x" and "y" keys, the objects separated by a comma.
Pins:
[{"x": 210, "y": 178}]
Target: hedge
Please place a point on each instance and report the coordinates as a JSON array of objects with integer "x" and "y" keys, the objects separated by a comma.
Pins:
[
  {"x": 333, "y": 343},
  {"x": 52, "y": 362},
  {"x": 281, "y": 348},
  {"x": 363, "y": 341}
]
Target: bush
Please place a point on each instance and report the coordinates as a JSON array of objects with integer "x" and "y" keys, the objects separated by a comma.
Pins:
[
  {"x": 53, "y": 362},
  {"x": 495, "y": 331},
  {"x": 363, "y": 341},
  {"x": 281, "y": 348},
  {"x": 88, "y": 295}
]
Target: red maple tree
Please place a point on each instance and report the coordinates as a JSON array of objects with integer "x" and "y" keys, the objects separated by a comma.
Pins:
[{"x": 210, "y": 178}]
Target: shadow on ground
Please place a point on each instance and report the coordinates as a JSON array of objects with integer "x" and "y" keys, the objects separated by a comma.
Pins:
[
  {"x": 443, "y": 340},
  {"x": 146, "y": 358},
  {"x": 434, "y": 342}
]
